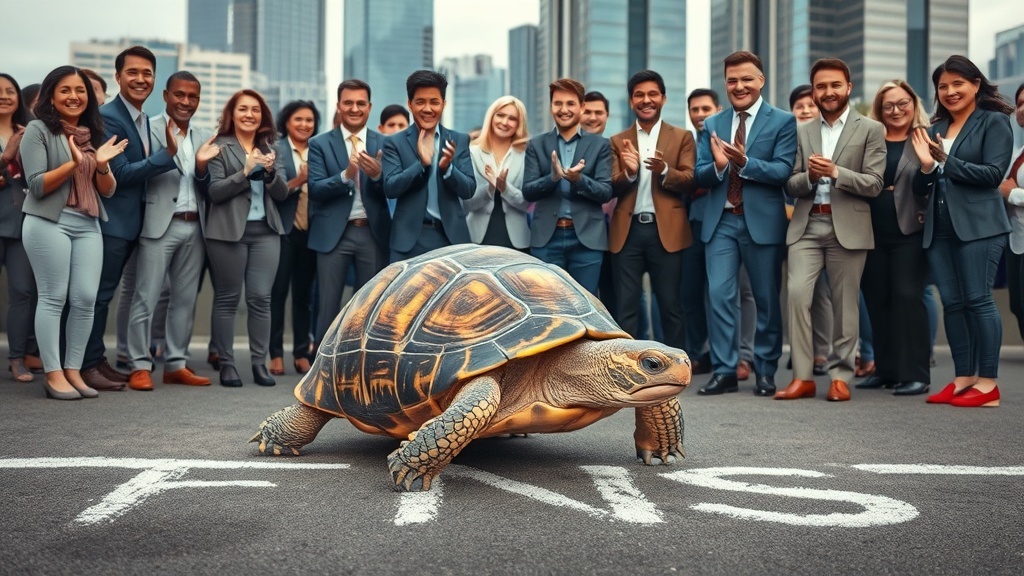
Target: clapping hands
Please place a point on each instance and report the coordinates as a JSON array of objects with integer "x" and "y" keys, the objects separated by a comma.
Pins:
[{"x": 571, "y": 174}]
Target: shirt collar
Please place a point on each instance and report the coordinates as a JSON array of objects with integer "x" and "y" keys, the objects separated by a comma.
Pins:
[
  {"x": 752, "y": 111},
  {"x": 135, "y": 112},
  {"x": 174, "y": 126},
  {"x": 841, "y": 121},
  {"x": 345, "y": 134},
  {"x": 577, "y": 135},
  {"x": 656, "y": 129}
]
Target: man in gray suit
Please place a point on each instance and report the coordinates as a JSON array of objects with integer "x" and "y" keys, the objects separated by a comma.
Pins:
[
  {"x": 840, "y": 162},
  {"x": 171, "y": 241}
]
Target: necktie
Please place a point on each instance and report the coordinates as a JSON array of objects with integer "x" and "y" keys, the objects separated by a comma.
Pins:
[
  {"x": 302, "y": 210},
  {"x": 735, "y": 194},
  {"x": 1016, "y": 166},
  {"x": 432, "y": 205},
  {"x": 140, "y": 124}
]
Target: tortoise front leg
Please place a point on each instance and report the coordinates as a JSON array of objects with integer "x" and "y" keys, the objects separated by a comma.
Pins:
[
  {"x": 415, "y": 463},
  {"x": 659, "y": 432},
  {"x": 289, "y": 429}
]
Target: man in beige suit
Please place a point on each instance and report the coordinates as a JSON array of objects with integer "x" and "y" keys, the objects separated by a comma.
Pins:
[{"x": 840, "y": 162}]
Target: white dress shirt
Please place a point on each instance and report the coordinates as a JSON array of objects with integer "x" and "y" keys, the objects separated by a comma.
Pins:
[
  {"x": 647, "y": 144},
  {"x": 186, "y": 157},
  {"x": 358, "y": 211},
  {"x": 829, "y": 138}
]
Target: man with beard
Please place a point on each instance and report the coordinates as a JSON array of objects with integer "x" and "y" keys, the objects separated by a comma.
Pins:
[{"x": 840, "y": 162}]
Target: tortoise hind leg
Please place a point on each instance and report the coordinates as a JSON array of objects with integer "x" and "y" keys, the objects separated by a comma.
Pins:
[
  {"x": 415, "y": 463},
  {"x": 289, "y": 429}
]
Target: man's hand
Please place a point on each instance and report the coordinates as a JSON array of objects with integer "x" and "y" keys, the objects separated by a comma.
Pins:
[
  {"x": 208, "y": 151},
  {"x": 819, "y": 167},
  {"x": 557, "y": 173},
  {"x": 573, "y": 174},
  {"x": 447, "y": 153},
  {"x": 630, "y": 158},
  {"x": 370, "y": 165},
  {"x": 735, "y": 153},
  {"x": 352, "y": 170},
  {"x": 718, "y": 153},
  {"x": 425, "y": 147},
  {"x": 656, "y": 165},
  {"x": 172, "y": 142},
  {"x": 1006, "y": 186}
]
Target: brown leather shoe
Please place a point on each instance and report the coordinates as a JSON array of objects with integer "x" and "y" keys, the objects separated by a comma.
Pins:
[
  {"x": 277, "y": 366},
  {"x": 743, "y": 370},
  {"x": 96, "y": 380},
  {"x": 35, "y": 364},
  {"x": 302, "y": 365},
  {"x": 797, "y": 389},
  {"x": 838, "y": 392},
  {"x": 140, "y": 380},
  {"x": 185, "y": 376},
  {"x": 110, "y": 373}
]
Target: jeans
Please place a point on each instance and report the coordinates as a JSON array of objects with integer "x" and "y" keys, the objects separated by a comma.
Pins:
[{"x": 567, "y": 252}]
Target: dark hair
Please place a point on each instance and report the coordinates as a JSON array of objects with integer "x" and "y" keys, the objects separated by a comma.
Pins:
[
  {"x": 829, "y": 64},
  {"x": 21, "y": 116},
  {"x": 987, "y": 97},
  {"x": 743, "y": 57},
  {"x": 392, "y": 110},
  {"x": 1016, "y": 94},
  {"x": 265, "y": 134},
  {"x": 140, "y": 51},
  {"x": 567, "y": 85},
  {"x": 183, "y": 76},
  {"x": 94, "y": 76},
  {"x": 290, "y": 109},
  {"x": 355, "y": 84},
  {"x": 46, "y": 112},
  {"x": 30, "y": 93},
  {"x": 801, "y": 91},
  {"x": 595, "y": 96},
  {"x": 426, "y": 79},
  {"x": 645, "y": 76},
  {"x": 702, "y": 92}
]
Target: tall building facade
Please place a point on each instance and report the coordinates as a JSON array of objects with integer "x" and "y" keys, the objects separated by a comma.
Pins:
[
  {"x": 384, "y": 42},
  {"x": 523, "y": 64},
  {"x": 284, "y": 42},
  {"x": 220, "y": 74},
  {"x": 879, "y": 39},
  {"x": 473, "y": 84},
  {"x": 1006, "y": 69},
  {"x": 602, "y": 43}
]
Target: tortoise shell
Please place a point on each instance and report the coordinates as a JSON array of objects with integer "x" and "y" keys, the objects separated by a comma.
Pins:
[{"x": 407, "y": 340}]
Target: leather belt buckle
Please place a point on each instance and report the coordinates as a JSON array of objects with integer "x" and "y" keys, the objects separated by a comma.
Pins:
[
  {"x": 186, "y": 216},
  {"x": 644, "y": 217},
  {"x": 359, "y": 222},
  {"x": 431, "y": 222},
  {"x": 821, "y": 209},
  {"x": 564, "y": 223},
  {"x": 735, "y": 210}
]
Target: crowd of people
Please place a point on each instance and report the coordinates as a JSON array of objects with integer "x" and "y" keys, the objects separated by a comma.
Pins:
[{"x": 819, "y": 222}]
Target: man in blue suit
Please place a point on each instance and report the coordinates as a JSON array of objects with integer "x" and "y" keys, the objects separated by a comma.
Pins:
[
  {"x": 349, "y": 220},
  {"x": 745, "y": 157},
  {"x": 427, "y": 169},
  {"x": 123, "y": 118}
]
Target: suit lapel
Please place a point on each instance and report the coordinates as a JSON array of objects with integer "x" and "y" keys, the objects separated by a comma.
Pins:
[
  {"x": 763, "y": 117},
  {"x": 581, "y": 150},
  {"x": 908, "y": 149},
  {"x": 236, "y": 151},
  {"x": 336, "y": 142},
  {"x": 288, "y": 162},
  {"x": 814, "y": 132},
  {"x": 973, "y": 121}
]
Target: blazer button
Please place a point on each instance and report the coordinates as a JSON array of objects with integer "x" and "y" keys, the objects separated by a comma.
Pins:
[{"x": 174, "y": 199}]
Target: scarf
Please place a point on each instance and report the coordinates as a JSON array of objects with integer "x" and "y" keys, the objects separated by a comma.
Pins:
[{"x": 84, "y": 197}]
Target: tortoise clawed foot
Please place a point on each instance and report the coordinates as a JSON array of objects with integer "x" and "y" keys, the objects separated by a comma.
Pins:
[
  {"x": 407, "y": 478},
  {"x": 269, "y": 448},
  {"x": 662, "y": 457}
]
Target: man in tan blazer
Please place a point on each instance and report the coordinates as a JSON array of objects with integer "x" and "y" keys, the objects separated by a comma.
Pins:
[
  {"x": 652, "y": 173},
  {"x": 840, "y": 162}
]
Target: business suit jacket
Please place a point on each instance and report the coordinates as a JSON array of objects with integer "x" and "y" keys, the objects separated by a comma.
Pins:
[
  {"x": 406, "y": 180},
  {"x": 972, "y": 173},
  {"x": 331, "y": 198},
  {"x": 593, "y": 189},
  {"x": 132, "y": 169},
  {"x": 43, "y": 151},
  {"x": 910, "y": 208},
  {"x": 230, "y": 196},
  {"x": 12, "y": 196},
  {"x": 770, "y": 150},
  {"x": 669, "y": 193},
  {"x": 162, "y": 189},
  {"x": 480, "y": 206},
  {"x": 860, "y": 157},
  {"x": 286, "y": 208}
]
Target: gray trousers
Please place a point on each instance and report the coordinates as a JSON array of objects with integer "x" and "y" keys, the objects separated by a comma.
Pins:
[
  {"x": 21, "y": 289},
  {"x": 356, "y": 246},
  {"x": 252, "y": 260},
  {"x": 67, "y": 258},
  {"x": 178, "y": 254},
  {"x": 125, "y": 293}
]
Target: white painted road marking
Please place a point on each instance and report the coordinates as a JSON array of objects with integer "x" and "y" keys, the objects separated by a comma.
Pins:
[
  {"x": 879, "y": 510},
  {"x": 941, "y": 469},
  {"x": 618, "y": 490},
  {"x": 420, "y": 507}
]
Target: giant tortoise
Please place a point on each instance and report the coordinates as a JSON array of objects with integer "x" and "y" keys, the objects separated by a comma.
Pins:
[{"x": 471, "y": 341}]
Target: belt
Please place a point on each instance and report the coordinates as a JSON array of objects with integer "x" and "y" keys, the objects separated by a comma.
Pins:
[
  {"x": 360, "y": 222},
  {"x": 644, "y": 217},
  {"x": 431, "y": 222},
  {"x": 564, "y": 223},
  {"x": 821, "y": 209},
  {"x": 889, "y": 188},
  {"x": 187, "y": 216},
  {"x": 734, "y": 209}
]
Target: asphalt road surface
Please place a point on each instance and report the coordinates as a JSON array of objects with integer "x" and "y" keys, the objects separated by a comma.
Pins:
[{"x": 164, "y": 482}]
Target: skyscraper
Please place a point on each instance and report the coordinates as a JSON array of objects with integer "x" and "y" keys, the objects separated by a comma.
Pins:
[
  {"x": 473, "y": 84},
  {"x": 1006, "y": 69},
  {"x": 523, "y": 64},
  {"x": 602, "y": 44},
  {"x": 385, "y": 41},
  {"x": 284, "y": 41}
]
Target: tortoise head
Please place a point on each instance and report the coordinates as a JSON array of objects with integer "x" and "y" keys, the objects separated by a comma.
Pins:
[{"x": 619, "y": 372}]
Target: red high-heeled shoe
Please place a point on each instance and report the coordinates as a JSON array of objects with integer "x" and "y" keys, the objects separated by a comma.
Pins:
[
  {"x": 974, "y": 399},
  {"x": 945, "y": 396}
]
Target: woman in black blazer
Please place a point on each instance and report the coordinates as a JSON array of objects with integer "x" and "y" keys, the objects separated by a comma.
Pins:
[
  {"x": 243, "y": 230},
  {"x": 963, "y": 157}
]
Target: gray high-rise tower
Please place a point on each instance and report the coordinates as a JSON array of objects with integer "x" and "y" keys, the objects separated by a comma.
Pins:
[
  {"x": 385, "y": 41},
  {"x": 523, "y": 63}
]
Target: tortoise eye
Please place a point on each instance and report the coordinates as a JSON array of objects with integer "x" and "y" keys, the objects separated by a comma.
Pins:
[{"x": 652, "y": 364}]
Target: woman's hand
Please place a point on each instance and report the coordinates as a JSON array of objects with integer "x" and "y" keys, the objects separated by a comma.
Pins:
[
  {"x": 252, "y": 160},
  {"x": 76, "y": 154},
  {"x": 921, "y": 143},
  {"x": 109, "y": 150},
  {"x": 11, "y": 152}
]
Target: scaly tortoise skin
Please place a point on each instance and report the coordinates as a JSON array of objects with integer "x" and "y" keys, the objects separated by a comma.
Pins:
[{"x": 472, "y": 341}]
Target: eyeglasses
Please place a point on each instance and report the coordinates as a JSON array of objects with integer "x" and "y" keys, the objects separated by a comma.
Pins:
[{"x": 902, "y": 105}]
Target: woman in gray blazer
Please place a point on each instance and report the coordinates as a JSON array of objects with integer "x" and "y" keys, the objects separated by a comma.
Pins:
[
  {"x": 496, "y": 214},
  {"x": 963, "y": 159},
  {"x": 66, "y": 167},
  {"x": 243, "y": 230}
]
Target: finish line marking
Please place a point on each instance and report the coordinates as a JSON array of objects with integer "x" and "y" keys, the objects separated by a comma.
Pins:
[{"x": 941, "y": 469}]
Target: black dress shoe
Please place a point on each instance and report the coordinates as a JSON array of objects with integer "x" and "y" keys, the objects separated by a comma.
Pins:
[
  {"x": 720, "y": 384},
  {"x": 765, "y": 386},
  {"x": 875, "y": 382},
  {"x": 229, "y": 377},
  {"x": 261, "y": 375},
  {"x": 910, "y": 389}
]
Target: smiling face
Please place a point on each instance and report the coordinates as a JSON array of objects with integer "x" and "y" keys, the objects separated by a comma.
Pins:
[
  {"x": 426, "y": 107},
  {"x": 743, "y": 83},
  {"x": 505, "y": 123},
  {"x": 1020, "y": 108},
  {"x": 647, "y": 102},
  {"x": 831, "y": 92},
  {"x": 805, "y": 109},
  {"x": 396, "y": 123},
  {"x": 566, "y": 109},
  {"x": 595, "y": 117},
  {"x": 182, "y": 100},
  {"x": 897, "y": 110},
  {"x": 354, "y": 107},
  {"x": 70, "y": 98},
  {"x": 135, "y": 80},
  {"x": 247, "y": 115},
  {"x": 8, "y": 98},
  {"x": 300, "y": 125},
  {"x": 700, "y": 109},
  {"x": 957, "y": 93}
]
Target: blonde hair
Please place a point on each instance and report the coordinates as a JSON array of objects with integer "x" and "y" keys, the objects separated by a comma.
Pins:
[
  {"x": 521, "y": 136},
  {"x": 920, "y": 116}
]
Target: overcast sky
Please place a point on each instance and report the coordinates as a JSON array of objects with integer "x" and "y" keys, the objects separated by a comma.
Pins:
[{"x": 461, "y": 27}]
